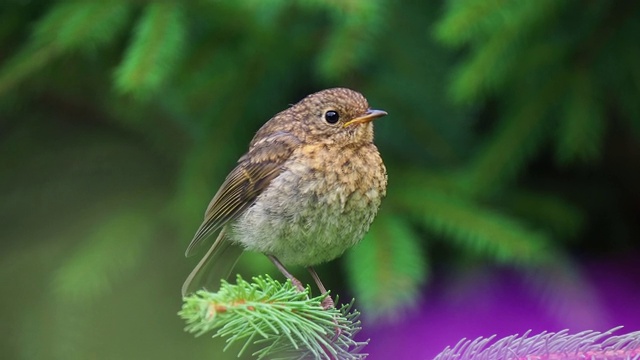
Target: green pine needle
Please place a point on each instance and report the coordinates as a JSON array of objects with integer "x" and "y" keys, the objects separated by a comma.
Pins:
[
  {"x": 463, "y": 19},
  {"x": 66, "y": 27},
  {"x": 516, "y": 139},
  {"x": 23, "y": 64},
  {"x": 479, "y": 229},
  {"x": 505, "y": 153},
  {"x": 156, "y": 49},
  {"x": 353, "y": 37},
  {"x": 278, "y": 318},
  {"x": 74, "y": 24},
  {"x": 478, "y": 20},
  {"x": 487, "y": 69}
]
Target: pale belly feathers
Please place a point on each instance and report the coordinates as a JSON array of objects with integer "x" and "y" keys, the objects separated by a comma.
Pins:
[{"x": 310, "y": 222}]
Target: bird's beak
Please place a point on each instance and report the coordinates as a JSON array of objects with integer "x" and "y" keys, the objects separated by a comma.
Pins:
[{"x": 368, "y": 116}]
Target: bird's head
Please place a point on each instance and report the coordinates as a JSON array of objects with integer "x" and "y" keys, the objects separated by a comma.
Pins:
[{"x": 336, "y": 116}]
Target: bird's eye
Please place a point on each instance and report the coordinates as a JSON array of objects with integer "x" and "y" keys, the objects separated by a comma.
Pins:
[{"x": 331, "y": 117}]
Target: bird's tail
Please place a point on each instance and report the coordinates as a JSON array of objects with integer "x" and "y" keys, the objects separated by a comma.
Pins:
[{"x": 216, "y": 264}]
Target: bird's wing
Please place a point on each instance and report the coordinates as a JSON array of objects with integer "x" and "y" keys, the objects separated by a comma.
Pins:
[{"x": 242, "y": 186}]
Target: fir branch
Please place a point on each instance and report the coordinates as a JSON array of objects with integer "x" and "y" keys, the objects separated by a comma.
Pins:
[
  {"x": 548, "y": 346},
  {"x": 389, "y": 257},
  {"x": 516, "y": 139},
  {"x": 487, "y": 69},
  {"x": 352, "y": 38},
  {"x": 75, "y": 24},
  {"x": 546, "y": 210},
  {"x": 463, "y": 19},
  {"x": 67, "y": 26},
  {"x": 155, "y": 50},
  {"x": 582, "y": 128},
  {"x": 476, "y": 21},
  {"x": 498, "y": 40},
  {"x": 23, "y": 64},
  {"x": 501, "y": 48},
  {"x": 277, "y": 317},
  {"x": 482, "y": 230}
]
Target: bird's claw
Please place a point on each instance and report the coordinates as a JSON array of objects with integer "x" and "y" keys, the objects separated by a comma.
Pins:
[
  {"x": 297, "y": 284},
  {"x": 327, "y": 303}
]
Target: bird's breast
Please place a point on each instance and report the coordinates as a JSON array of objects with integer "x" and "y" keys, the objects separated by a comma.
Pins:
[{"x": 321, "y": 204}]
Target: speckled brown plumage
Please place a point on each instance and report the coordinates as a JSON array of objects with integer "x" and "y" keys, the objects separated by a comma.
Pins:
[{"x": 306, "y": 190}]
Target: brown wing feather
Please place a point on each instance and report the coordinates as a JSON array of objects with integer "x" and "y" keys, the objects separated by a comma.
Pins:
[{"x": 242, "y": 186}]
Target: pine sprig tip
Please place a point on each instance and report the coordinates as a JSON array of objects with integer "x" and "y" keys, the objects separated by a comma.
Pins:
[{"x": 275, "y": 319}]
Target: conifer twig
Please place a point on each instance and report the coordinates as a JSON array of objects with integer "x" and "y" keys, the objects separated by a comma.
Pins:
[
  {"x": 549, "y": 346},
  {"x": 281, "y": 321}
]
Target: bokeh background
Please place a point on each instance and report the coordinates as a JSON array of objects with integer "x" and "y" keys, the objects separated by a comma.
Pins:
[{"x": 512, "y": 146}]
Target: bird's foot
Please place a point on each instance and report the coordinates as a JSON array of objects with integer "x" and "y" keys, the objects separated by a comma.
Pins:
[
  {"x": 327, "y": 302},
  {"x": 297, "y": 284},
  {"x": 286, "y": 273}
]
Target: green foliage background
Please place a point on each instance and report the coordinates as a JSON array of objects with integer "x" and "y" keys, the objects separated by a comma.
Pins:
[{"x": 512, "y": 140}]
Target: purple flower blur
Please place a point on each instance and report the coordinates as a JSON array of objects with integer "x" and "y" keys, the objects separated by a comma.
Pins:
[{"x": 505, "y": 304}]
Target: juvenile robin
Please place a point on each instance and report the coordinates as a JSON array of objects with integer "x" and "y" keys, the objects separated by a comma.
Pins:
[{"x": 307, "y": 189}]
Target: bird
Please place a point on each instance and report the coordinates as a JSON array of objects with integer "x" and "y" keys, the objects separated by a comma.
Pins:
[{"x": 307, "y": 189}]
